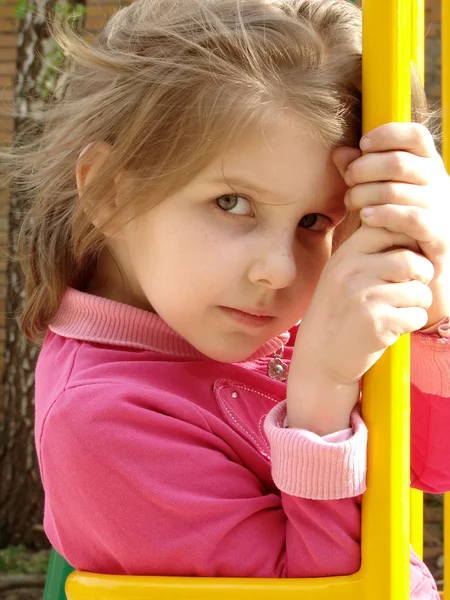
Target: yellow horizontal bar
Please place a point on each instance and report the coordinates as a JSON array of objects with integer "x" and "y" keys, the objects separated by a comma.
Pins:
[{"x": 88, "y": 586}]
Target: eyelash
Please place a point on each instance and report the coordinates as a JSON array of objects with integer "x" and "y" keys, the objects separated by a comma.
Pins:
[{"x": 252, "y": 204}]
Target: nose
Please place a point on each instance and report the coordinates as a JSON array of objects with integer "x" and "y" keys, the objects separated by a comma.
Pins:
[{"x": 274, "y": 265}]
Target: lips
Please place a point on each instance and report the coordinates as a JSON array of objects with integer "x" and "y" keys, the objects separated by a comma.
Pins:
[
  {"x": 255, "y": 318},
  {"x": 255, "y": 313}
]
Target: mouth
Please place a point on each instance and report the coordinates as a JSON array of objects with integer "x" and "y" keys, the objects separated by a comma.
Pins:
[{"x": 256, "y": 318}]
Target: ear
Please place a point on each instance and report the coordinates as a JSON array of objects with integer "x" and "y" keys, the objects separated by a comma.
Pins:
[{"x": 89, "y": 163}]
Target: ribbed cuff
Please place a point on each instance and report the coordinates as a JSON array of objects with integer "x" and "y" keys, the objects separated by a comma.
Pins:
[{"x": 308, "y": 466}]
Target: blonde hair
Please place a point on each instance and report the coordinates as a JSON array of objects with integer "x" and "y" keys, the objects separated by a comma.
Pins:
[{"x": 168, "y": 83}]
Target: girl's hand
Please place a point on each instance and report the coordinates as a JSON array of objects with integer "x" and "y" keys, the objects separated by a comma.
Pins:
[
  {"x": 390, "y": 277},
  {"x": 374, "y": 289},
  {"x": 401, "y": 184}
]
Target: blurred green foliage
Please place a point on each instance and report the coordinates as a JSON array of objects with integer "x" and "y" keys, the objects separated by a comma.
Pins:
[
  {"x": 18, "y": 560},
  {"x": 54, "y": 57}
]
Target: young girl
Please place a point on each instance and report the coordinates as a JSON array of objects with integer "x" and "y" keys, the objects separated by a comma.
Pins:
[{"x": 201, "y": 160}]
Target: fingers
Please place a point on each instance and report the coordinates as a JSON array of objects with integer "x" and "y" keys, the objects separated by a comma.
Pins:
[
  {"x": 397, "y": 308},
  {"x": 391, "y": 166},
  {"x": 371, "y": 194},
  {"x": 408, "y": 294},
  {"x": 399, "y": 265},
  {"x": 343, "y": 157},
  {"x": 417, "y": 223},
  {"x": 409, "y": 137},
  {"x": 402, "y": 166},
  {"x": 371, "y": 240},
  {"x": 406, "y": 320}
]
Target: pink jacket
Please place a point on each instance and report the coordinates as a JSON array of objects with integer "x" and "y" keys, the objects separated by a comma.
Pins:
[{"x": 158, "y": 460}]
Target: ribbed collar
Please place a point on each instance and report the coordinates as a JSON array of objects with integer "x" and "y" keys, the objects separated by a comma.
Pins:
[{"x": 87, "y": 317}]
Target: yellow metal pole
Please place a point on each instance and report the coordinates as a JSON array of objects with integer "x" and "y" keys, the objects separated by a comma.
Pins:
[
  {"x": 418, "y": 56},
  {"x": 385, "y": 509},
  {"x": 445, "y": 55},
  {"x": 418, "y": 36},
  {"x": 447, "y": 542}
]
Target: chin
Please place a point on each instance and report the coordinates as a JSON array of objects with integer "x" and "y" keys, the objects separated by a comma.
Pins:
[{"x": 229, "y": 356}]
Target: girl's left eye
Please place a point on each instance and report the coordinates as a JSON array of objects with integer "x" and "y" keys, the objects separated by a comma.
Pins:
[
  {"x": 315, "y": 222},
  {"x": 233, "y": 204}
]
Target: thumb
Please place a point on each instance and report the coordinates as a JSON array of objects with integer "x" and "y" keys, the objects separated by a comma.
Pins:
[{"x": 344, "y": 156}]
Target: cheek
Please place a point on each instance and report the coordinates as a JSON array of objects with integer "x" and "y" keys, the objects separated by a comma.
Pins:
[
  {"x": 188, "y": 261},
  {"x": 310, "y": 266}
]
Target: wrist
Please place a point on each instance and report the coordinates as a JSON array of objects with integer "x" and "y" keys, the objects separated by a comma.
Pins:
[{"x": 319, "y": 404}]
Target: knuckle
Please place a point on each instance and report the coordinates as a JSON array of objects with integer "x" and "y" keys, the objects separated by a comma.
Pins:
[
  {"x": 395, "y": 329},
  {"x": 408, "y": 266},
  {"x": 424, "y": 270},
  {"x": 419, "y": 319},
  {"x": 398, "y": 163},
  {"x": 390, "y": 193},
  {"x": 421, "y": 295},
  {"x": 427, "y": 297},
  {"x": 349, "y": 280},
  {"x": 409, "y": 269},
  {"x": 353, "y": 196},
  {"x": 375, "y": 317},
  {"x": 421, "y": 134},
  {"x": 388, "y": 329},
  {"x": 414, "y": 215}
]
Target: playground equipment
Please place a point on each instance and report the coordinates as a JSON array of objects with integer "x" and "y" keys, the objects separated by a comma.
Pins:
[{"x": 393, "y": 33}]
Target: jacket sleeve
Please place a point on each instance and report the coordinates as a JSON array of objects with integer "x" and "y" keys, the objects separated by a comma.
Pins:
[
  {"x": 430, "y": 412},
  {"x": 139, "y": 486}
]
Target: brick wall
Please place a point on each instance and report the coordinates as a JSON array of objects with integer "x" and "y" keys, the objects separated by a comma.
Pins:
[
  {"x": 97, "y": 10},
  {"x": 8, "y": 54}
]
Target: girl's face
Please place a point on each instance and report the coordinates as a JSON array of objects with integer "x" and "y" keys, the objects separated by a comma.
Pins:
[{"x": 251, "y": 232}]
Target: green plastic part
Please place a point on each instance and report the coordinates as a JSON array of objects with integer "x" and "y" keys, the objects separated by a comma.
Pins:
[{"x": 57, "y": 573}]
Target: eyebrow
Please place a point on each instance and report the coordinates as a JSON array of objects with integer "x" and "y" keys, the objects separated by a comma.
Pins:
[
  {"x": 331, "y": 204},
  {"x": 252, "y": 186}
]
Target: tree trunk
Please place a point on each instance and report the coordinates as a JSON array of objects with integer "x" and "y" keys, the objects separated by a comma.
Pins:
[{"x": 21, "y": 495}]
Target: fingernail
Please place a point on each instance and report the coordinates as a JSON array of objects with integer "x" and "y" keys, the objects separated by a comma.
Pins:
[
  {"x": 366, "y": 212},
  {"x": 347, "y": 199},
  {"x": 365, "y": 143}
]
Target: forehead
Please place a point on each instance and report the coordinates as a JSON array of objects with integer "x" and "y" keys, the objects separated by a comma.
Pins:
[{"x": 282, "y": 160}]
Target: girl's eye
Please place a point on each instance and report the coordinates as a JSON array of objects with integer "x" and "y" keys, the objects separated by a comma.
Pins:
[
  {"x": 315, "y": 222},
  {"x": 234, "y": 204}
]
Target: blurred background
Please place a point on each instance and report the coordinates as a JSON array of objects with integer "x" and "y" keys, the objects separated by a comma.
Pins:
[{"x": 27, "y": 78}]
